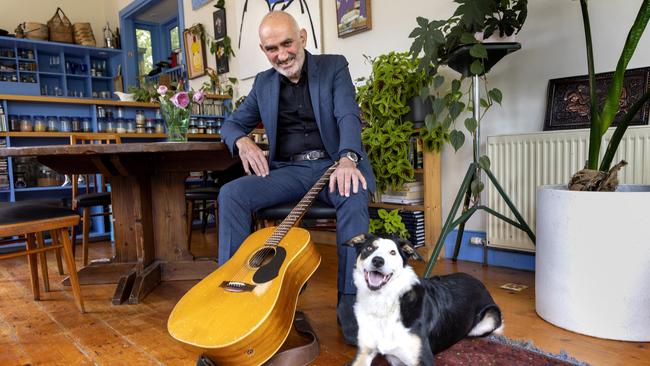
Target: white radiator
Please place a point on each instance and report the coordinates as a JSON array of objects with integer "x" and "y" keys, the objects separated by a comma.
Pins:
[{"x": 523, "y": 162}]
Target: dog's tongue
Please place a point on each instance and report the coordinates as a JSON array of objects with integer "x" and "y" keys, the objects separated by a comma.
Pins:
[{"x": 375, "y": 278}]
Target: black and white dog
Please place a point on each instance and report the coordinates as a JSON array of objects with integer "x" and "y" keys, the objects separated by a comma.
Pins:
[{"x": 406, "y": 320}]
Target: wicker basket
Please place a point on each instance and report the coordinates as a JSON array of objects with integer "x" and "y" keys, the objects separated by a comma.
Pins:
[
  {"x": 60, "y": 27},
  {"x": 83, "y": 34},
  {"x": 34, "y": 30}
]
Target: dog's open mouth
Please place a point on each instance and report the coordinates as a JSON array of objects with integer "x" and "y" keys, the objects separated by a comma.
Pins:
[{"x": 376, "y": 280}]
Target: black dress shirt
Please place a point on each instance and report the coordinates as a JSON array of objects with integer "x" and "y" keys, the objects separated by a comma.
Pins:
[{"x": 297, "y": 128}]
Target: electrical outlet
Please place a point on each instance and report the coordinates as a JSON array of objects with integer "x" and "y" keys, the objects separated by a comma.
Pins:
[{"x": 476, "y": 240}]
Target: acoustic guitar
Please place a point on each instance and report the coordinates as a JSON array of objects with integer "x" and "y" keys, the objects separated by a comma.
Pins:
[{"x": 242, "y": 313}]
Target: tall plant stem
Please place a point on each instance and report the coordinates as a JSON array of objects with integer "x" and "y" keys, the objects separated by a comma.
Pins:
[
  {"x": 595, "y": 136},
  {"x": 620, "y": 131}
]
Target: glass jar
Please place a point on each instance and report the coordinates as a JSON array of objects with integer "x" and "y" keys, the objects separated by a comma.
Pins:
[
  {"x": 120, "y": 126},
  {"x": 219, "y": 123},
  {"x": 160, "y": 126},
  {"x": 200, "y": 126},
  {"x": 26, "y": 124},
  {"x": 120, "y": 112},
  {"x": 86, "y": 125},
  {"x": 40, "y": 125},
  {"x": 139, "y": 118},
  {"x": 110, "y": 125},
  {"x": 130, "y": 125},
  {"x": 75, "y": 123},
  {"x": 66, "y": 124},
  {"x": 149, "y": 126},
  {"x": 101, "y": 124},
  {"x": 211, "y": 126},
  {"x": 14, "y": 122}
]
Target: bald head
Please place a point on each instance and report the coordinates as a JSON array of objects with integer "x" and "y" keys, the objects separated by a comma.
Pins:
[
  {"x": 278, "y": 20},
  {"x": 283, "y": 43}
]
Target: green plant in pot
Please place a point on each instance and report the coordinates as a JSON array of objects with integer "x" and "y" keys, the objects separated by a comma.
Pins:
[
  {"x": 598, "y": 175},
  {"x": 388, "y": 224},
  {"x": 383, "y": 99}
]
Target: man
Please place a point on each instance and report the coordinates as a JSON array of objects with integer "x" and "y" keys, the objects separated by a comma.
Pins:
[{"x": 307, "y": 105}]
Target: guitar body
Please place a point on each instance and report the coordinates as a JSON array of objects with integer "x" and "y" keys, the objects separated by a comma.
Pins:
[{"x": 242, "y": 313}]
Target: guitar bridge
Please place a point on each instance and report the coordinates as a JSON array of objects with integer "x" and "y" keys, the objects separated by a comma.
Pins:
[{"x": 236, "y": 286}]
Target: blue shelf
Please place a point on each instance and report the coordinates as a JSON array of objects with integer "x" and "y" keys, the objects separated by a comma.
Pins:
[
  {"x": 50, "y": 73},
  {"x": 49, "y": 188},
  {"x": 207, "y": 116}
]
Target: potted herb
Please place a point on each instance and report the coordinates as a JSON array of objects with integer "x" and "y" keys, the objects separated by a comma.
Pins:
[
  {"x": 592, "y": 252},
  {"x": 384, "y": 98}
]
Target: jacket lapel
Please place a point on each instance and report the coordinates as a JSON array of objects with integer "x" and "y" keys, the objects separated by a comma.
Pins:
[
  {"x": 314, "y": 87},
  {"x": 272, "y": 117}
]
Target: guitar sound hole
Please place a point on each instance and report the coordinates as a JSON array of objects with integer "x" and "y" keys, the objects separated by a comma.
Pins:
[{"x": 262, "y": 257}]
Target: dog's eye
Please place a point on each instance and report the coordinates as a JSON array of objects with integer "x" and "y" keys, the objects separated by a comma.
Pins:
[
  {"x": 392, "y": 252},
  {"x": 367, "y": 248}
]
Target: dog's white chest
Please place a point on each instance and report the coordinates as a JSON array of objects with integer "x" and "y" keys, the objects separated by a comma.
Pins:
[{"x": 381, "y": 329}]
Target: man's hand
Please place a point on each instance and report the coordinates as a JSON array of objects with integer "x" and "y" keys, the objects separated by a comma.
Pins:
[
  {"x": 347, "y": 177},
  {"x": 252, "y": 157}
]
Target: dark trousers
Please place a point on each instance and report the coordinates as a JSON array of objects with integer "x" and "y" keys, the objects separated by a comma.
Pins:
[{"x": 288, "y": 182}]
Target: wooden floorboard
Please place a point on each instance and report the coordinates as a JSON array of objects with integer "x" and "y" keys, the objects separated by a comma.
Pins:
[{"x": 53, "y": 332}]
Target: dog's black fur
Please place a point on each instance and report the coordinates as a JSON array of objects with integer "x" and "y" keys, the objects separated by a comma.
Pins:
[{"x": 434, "y": 313}]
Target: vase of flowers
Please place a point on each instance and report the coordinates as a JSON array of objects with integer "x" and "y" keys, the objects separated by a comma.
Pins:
[{"x": 176, "y": 107}]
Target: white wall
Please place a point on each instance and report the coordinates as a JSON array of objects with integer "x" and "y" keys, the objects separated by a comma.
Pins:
[
  {"x": 552, "y": 46},
  {"x": 95, "y": 12}
]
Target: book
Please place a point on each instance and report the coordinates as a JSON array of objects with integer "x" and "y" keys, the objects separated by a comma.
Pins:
[
  {"x": 404, "y": 195},
  {"x": 402, "y": 201}
]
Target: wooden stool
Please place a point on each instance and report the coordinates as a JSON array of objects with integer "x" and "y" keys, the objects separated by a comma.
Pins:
[{"x": 30, "y": 220}]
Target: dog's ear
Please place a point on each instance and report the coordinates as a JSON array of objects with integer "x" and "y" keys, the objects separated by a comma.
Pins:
[
  {"x": 358, "y": 240},
  {"x": 408, "y": 249}
]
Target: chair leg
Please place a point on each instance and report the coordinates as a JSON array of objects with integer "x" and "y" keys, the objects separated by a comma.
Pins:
[
  {"x": 33, "y": 267},
  {"x": 74, "y": 239},
  {"x": 189, "y": 214},
  {"x": 59, "y": 261},
  {"x": 85, "y": 234},
  {"x": 204, "y": 216},
  {"x": 64, "y": 238},
  {"x": 40, "y": 243}
]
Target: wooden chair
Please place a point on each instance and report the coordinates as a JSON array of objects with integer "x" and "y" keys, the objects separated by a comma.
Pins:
[
  {"x": 30, "y": 221},
  {"x": 95, "y": 194}
]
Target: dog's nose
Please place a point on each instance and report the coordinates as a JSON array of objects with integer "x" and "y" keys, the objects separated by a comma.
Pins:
[{"x": 378, "y": 262}]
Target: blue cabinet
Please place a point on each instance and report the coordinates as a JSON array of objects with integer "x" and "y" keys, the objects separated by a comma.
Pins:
[{"x": 29, "y": 67}]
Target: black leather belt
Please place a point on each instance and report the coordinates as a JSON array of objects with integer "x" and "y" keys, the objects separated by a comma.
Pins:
[{"x": 309, "y": 155}]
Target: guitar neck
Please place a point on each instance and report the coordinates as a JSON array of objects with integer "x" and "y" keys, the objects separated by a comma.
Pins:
[{"x": 297, "y": 213}]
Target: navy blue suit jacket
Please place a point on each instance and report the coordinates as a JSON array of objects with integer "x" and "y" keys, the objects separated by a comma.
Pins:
[{"x": 332, "y": 98}]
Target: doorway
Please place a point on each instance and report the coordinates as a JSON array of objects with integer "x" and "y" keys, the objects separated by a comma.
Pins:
[{"x": 151, "y": 31}]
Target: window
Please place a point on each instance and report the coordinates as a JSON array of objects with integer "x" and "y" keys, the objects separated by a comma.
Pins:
[
  {"x": 145, "y": 51},
  {"x": 174, "y": 39}
]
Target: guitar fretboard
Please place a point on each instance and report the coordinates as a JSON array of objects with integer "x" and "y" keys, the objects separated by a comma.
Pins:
[{"x": 300, "y": 209}]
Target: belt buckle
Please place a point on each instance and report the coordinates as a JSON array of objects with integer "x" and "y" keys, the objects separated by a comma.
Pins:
[{"x": 312, "y": 155}]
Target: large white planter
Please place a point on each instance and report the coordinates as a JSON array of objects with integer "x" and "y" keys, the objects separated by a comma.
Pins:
[{"x": 592, "y": 263}]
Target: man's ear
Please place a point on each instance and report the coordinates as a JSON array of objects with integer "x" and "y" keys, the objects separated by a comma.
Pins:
[
  {"x": 303, "y": 37},
  {"x": 407, "y": 248}
]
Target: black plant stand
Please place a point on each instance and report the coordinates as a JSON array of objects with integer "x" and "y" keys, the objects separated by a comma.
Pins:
[{"x": 460, "y": 60}]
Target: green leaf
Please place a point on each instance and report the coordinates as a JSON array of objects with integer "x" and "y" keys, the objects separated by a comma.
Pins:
[
  {"x": 429, "y": 122},
  {"x": 496, "y": 95},
  {"x": 484, "y": 103},
  {"x": 484, "y": 162},
  {"x": 477, "y": 187},
  {"x": 424, "y": 92},
  {"x": 467, "y": 38},
  {"x": 478, "y": 51},
  {"x": 470, "y": 124},
  {"x": 476, "y": 67},
  {"x": 438, "y": 106},
  {"x": 422, "y": 22},
  {"x": 455, "y": 109},
  {"x": 437, "y": 81},
  {"x": 455, "y": 86},
  {"x": 457, "y": 139}
]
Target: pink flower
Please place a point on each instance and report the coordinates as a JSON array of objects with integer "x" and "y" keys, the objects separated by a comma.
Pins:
[
  {"x": 181, "y": 99},
  {"x": 162, "y": 90},
  {"x": 198, "y": 97}
]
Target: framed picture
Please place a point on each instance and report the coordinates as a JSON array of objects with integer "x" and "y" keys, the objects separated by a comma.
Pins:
[
  {"x": 568, "y": 99},
  {"x": 222, "y": 58},
  {"x": 194, "y": 53},
  {"x": 352, "y": 17},
  {"x": 219, "y": 22}
]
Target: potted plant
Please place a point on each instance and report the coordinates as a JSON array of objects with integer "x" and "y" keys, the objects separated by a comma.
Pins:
[
  {"x": 582, "y": 235},
  {"x": 384, "y": 98},
  {"x": 388, "y": 224}
]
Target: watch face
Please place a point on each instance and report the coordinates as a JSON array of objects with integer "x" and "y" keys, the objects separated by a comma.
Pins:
[{"x": 352, "y": 156}]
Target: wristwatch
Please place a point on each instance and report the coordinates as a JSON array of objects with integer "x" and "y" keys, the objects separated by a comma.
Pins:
[{"x": 352, "y": 156}]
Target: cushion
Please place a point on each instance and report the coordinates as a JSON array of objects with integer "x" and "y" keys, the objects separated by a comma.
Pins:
[
  {"x": 198, "y": 194},
  {"x": 13, "y": 213},
  {"x": 318, "y": 210},
  {"x": 93, "y": 199}
]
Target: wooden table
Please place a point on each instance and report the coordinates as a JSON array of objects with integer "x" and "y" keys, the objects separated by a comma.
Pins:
[{"x": 147, "y": 184}]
